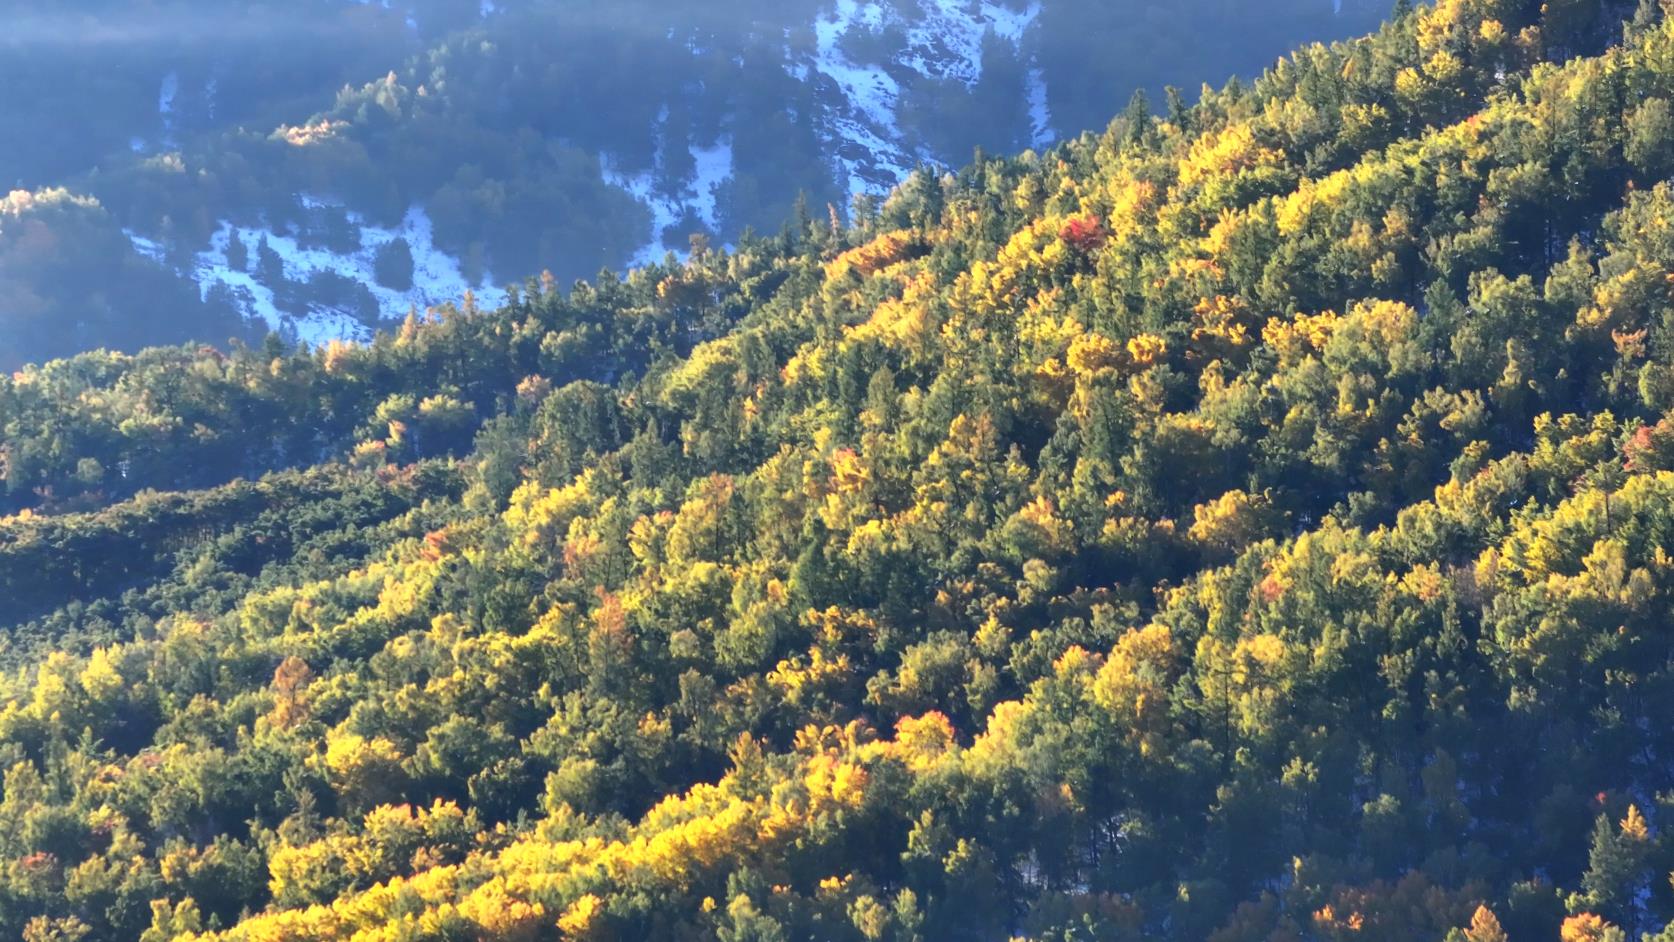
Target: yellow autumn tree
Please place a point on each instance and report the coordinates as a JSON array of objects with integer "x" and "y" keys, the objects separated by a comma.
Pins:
[{"x": 1484, "y": 927}]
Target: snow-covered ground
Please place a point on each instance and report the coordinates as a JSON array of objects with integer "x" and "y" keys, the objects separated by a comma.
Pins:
[
  {"x": 714, "y": 168},
  {"x": 867, "y": 135},
  {"x": 150, "y": 248},
  {"x": 437, "y": 278},
  {"x": 944, "y": 41},
  {"x": 947, "y": 42},
  {"x": 1040, "y": 114},
  {"x": 699, "y": 194}
]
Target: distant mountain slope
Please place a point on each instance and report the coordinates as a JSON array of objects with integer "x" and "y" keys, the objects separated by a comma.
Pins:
[{"x": 522, "y": 136}]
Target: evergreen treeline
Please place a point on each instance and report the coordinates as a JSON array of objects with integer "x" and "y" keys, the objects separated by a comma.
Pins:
[{"x": 1249, "y": 523}]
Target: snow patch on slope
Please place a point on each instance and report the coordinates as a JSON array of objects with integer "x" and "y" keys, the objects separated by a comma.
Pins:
[
  {"x": 858, "y": 98},
  {"x": 699, "y": 194},
  {"x": 1040, "y": 113},
  {"x": 1009, "y": 24},
  {"x": 869, "y": 89},
  {"x": 944, "y": 42},
  {"x": 437, "y": 278},
  {"x": 150, "y": 248},
  {"x": 714, "y": 169},
  {"x": 947, "y": 42},
  {"x": 867, "y": 135}
]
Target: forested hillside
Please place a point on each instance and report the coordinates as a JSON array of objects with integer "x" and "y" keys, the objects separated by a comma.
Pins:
[{"x": 1253, "y": 522}]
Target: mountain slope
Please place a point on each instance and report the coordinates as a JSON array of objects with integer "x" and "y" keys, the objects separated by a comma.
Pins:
[{"x": 1249, "y": 524}]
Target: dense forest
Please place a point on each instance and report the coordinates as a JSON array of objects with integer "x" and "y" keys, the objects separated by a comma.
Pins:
[
  {"x": 1252, "y": 522},
  {"x": 489, "y": 140}
]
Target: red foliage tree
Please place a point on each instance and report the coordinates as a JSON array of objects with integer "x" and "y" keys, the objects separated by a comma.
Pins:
[{"x": 1085, "y": 233}]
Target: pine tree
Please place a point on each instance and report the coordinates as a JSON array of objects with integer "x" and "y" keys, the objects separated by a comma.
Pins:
[
  {"x": 1179, "y": 113},
  {"x": 1613, "y": 866},
  {"x": 238, "y": 254},
  {"x": 1137, "y": 118},
  {"x": 269, "y": 266},
  {"x": 393, "y": 266},
  {"x": 1485, "y": 927}
]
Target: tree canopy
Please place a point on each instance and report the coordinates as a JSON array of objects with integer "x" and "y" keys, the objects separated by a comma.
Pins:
[{"x": 1247, "y": 523}]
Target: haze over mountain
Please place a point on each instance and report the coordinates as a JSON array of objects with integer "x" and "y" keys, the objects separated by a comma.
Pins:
[{"x": 321, "y": 167}]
